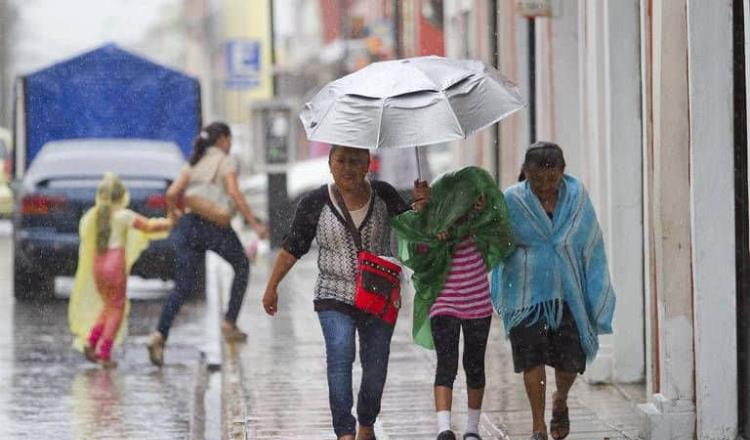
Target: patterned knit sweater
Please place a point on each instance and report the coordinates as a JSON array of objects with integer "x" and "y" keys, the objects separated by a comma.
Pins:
[{"x": 318, "y": 219}]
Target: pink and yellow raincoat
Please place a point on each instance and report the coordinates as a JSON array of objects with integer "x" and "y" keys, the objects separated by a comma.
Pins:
[{"x": 112, "y": 238}]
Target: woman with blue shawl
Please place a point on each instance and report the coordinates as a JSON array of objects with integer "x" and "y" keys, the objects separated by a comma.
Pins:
[{"x": 554, "y": 292}]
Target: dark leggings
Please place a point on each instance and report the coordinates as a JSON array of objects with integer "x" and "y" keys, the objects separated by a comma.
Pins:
[
  {"x": 445, "y": 334},
  {"x": 192, "y": 237}
]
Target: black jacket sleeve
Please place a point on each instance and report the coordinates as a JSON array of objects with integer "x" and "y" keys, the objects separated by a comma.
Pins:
[
  {"x": 305, "y": 224},
  {"x": 395, "y": 203}
]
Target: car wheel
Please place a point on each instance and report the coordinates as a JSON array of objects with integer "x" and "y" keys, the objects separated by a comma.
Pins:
[{"x": 32, "y": 285}]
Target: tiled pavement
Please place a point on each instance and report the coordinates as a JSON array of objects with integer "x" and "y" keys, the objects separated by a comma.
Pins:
[{"x": 284, "y": 392}]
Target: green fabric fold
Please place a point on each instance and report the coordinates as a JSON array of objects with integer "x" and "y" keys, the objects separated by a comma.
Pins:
[{"x": 451, "y": 208}]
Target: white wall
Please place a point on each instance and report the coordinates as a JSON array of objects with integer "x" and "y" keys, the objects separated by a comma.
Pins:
[
  {"x": 466, "y": 24},
  {"x": 623, "y": 138},
  {"x": 670, "y": 413},
  {"x": 512, "y": 36},
  {"x": 712, "y": 207}
]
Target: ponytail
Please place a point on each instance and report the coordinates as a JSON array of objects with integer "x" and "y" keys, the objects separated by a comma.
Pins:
[
  {"x": 206, "y": 138},
  {"x": 111, "y": 191},
  {"x": 103, "y": 227}
]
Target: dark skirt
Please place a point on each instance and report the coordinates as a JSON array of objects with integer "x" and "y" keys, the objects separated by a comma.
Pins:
[{"x": 537, "y": 344}]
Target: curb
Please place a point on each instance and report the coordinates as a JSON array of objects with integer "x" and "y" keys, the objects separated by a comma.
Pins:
[
  {"x": 234, "y": 413},
  {"x": 224, "y": 356},
  {"x": 197, "y": 406}
]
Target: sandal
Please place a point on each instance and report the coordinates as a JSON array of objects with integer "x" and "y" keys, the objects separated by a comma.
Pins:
[
  {"x": 155, "y": 347},
  {"x": 232, "y": 333},
  {"x": 559, "y": 425},
  {"x": 538, "y": 436},
  {"x": 107, "y": 364},
  {"x": 90, "y": 354}
]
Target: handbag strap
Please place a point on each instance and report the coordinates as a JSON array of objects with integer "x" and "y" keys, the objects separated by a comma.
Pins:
[{"x": 348, "y": 217}]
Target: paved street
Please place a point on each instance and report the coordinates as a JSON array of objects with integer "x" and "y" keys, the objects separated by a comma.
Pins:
[
  {"x": 50, "y": 391},
  {"x": 284, "y": 393}
]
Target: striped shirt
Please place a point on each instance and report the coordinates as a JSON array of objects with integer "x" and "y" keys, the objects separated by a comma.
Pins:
[{"x": 466, "y": 292}]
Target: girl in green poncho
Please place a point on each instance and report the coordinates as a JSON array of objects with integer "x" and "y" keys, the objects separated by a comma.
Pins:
[{"x": 451, "y": 243}]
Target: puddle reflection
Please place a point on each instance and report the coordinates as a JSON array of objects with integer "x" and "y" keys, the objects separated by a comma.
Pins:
[{"x": 96, "y": 404}]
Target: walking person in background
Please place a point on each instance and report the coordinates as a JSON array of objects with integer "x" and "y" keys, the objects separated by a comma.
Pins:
[
  {"x": 211, "y": 195},
  {"x": 554, "y": 292},
  {"x": 112, "y": 238},
  {"x": 321, "y": 217},
  {"x": 452, "y": 243}
]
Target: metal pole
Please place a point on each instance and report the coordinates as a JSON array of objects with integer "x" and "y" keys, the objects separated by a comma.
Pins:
[
  {"x": 397, "y": 28},
  {"x": 5, "y": 83},
  {"x": 493, "y": 12},
  {"x": 742, "y": 217},
  {"x": 532, "y": 79},
  {"x": 279, "y": 206},
  {"x": 274, "y": 80}
]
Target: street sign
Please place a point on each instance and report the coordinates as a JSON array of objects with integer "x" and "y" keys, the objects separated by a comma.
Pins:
[
  {"x": 534, "y": 8},
  {"x": 243, "y": 63}
]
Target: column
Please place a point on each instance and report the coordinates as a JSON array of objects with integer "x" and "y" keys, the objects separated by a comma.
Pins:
[
  {"x": 712, "y": 205},
  {"x": 670, "y": 413}
]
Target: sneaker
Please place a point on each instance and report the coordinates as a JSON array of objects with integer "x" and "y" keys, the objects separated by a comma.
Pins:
[
  {"x": 446, "y": 435},
  {"x": 90, "y": 354},
  {"x": 232, "y": 333},
  {"x": 155, "y": 347},
  {"x": 472, "y": 436}
]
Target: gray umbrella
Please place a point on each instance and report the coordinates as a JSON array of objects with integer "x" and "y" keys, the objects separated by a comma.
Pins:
[{"x": 409, "y": 103}]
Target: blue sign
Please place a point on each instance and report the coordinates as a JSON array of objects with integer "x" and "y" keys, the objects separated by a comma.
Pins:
[{"x": 243, "y": 63}]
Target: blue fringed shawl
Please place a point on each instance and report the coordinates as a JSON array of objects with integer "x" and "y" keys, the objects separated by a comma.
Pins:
[{"x": 556, "y": 261}]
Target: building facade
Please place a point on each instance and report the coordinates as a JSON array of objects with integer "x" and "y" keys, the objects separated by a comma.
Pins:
[{"x": 640, "y": 95}]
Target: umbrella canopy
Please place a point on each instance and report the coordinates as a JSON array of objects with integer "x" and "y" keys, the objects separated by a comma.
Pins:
[{"x": 410, "y": 102}]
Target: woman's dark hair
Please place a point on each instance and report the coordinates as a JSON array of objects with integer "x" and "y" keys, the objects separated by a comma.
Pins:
[
  {"x": 207, "y": 137},
  {"x": 335, "y": 148},
  {"x": 542, "y": 154}
]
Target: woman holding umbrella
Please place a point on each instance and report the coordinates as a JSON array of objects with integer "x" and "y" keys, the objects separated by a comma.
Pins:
[
  {"x": 554, "y": 292},
  {"x": 321, "y": 215},
  {"x": 390, "y": 104}
]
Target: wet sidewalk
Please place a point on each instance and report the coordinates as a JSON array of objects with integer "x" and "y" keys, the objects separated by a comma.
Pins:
[
  {"x": 283, "y": 393},
  {"x": 50, "y": 391}
]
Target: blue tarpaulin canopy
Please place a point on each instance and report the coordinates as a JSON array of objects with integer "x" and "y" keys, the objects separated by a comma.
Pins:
[{"x": 110, "y": 93}]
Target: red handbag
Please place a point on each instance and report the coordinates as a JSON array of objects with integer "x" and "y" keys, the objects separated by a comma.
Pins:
[
  {"x": 378, "y": 290},
  {"x": 378, "y": 287}
]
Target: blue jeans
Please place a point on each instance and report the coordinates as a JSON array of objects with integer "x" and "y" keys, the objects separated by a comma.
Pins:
[
  {"x": 192, "y": 237},
  {"x": 374, "y": 349}
]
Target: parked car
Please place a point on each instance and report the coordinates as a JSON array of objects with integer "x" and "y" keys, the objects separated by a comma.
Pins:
[{"x": 60, "y": 186}]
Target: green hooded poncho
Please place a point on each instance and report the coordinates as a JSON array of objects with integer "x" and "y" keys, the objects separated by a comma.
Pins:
[{"x": 453, "y": 197}]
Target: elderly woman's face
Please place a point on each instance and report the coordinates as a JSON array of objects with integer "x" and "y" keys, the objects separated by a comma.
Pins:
[
  {"x": 544, "y": 181},
  {"x": 349, "y": 167}
]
